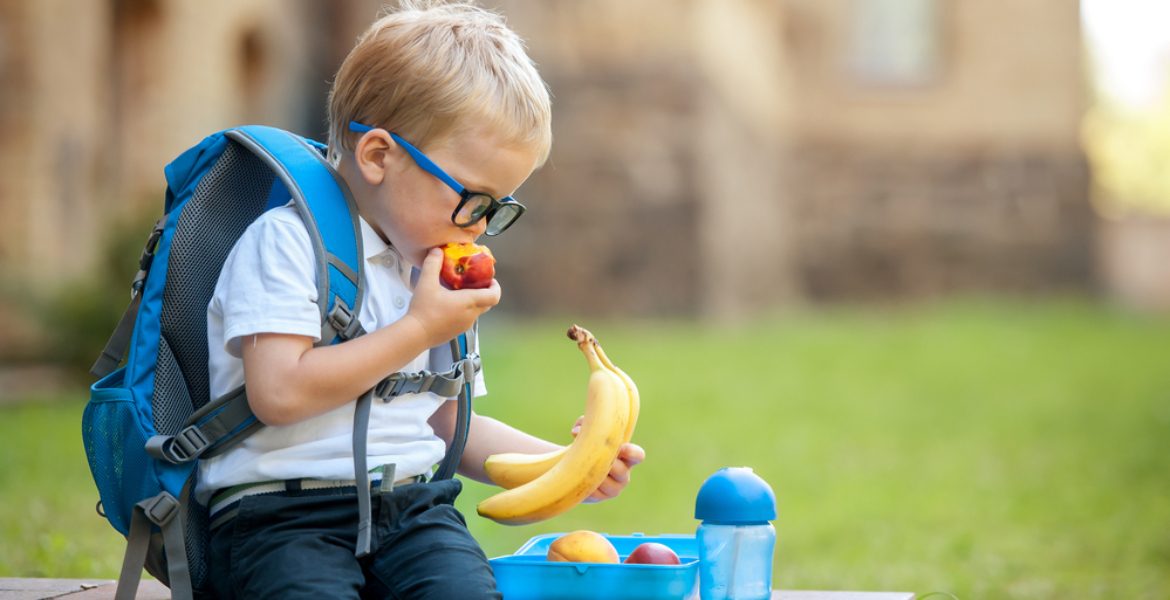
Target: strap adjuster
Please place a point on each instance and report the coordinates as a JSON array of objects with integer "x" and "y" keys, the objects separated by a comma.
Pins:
[
  {"x": 189, "y": 443},
  {"x": 147, "y": 257},
  {"x": 184, "y": 446},
  {"x": 404, "y": 383},
  {"x": 160, "y": 509},
  {"x": 387, "y": 388},
  {"x": 343, "y": 321},
  {"x": 445, "y": 384},
  {"x": 469, "y": 367}
]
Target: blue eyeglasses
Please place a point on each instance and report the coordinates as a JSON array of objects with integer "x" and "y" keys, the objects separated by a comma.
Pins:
[{"x": 473, "y": 206}]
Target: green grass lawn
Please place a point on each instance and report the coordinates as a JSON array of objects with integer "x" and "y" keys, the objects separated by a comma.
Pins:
[{"x": 992, "y": 450}]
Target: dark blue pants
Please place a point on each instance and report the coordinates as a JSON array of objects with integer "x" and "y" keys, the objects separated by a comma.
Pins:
[{"x": 300, "y": 545}]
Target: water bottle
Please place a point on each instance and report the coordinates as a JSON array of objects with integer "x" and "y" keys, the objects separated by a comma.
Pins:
[{"x": 736, "y": 539}]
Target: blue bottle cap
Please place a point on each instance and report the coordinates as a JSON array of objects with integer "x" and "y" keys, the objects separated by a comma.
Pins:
[{"x": 735, "y": 496}]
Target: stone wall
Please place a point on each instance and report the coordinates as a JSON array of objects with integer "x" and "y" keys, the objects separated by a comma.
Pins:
[
  {"x": 98, "y": 96},
  {"x": 886, "y": 223},
  {"x": 994, "y": 73},
  {"x": 719, "y": 158},
  {"x": 53, "y": 164},
  {"x": 962, "y": 175},
  {"x": 660, "y": 196},
  {"x": 613, "y": 215}
]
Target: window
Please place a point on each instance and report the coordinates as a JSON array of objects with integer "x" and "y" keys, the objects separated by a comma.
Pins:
[{"x": 894, "y": 42}]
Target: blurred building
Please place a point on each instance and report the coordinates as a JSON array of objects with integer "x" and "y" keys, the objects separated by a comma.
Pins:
[
  {"x": 711, "y": 157},
  {"x": 716, "y": 156},
  {"x": 98, "y": 96}
]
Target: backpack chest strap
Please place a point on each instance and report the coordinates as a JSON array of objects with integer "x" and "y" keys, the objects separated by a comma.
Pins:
[{"x": 446, "y": 384}]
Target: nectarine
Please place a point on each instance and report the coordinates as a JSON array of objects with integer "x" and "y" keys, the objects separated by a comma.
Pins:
[
  {"x": 467, "y": 266},
  {"x": 582, "y": 546}
]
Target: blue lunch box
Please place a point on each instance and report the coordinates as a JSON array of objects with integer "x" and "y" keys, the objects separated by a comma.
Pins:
[{"x": 526, "y": 575}]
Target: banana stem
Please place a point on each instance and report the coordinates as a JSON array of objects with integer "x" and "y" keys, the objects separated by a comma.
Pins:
[
  {"x": 588, "y": 346},
  {"x": 580, "y": 335}
]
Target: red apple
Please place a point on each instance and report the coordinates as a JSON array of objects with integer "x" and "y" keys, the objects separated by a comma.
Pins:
[
  {"x": 652, "y": 553},
  {"x": 467, "y": 266}
]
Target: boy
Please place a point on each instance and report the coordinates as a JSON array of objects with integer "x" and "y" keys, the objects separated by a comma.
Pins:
[{"x": 448, "y": 83}]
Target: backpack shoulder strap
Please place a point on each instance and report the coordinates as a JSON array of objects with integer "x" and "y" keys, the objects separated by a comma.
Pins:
[
  {"x": 328, "y": 210},
  {"x": 459, "y": 380},
  {"x": 330, "y": 216}
]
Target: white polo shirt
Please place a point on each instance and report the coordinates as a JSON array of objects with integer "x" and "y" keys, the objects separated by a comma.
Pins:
[{"x": 268, "y": 285}]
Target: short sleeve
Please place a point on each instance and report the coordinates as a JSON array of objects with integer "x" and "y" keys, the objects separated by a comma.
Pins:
[{"x": 268, "y": 282}]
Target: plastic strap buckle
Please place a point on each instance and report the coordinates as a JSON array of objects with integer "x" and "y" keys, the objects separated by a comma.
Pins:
[
  {"x": 469, "y": 367},
  {"x": 342, "y": 319},
  {"x": 147, "y": 257},
  {"x": 443, "y": 384},
  {"x": 160, "y": 509},
  {"x": 403, "y": 383},
  {"x": 189, "y": 443},
  {"x": 182, "y": 447}
]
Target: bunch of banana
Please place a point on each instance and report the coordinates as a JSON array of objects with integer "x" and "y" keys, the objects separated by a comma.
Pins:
[
  {"x": 542, "y": 486},
  {"x": 514, "y": 469}
]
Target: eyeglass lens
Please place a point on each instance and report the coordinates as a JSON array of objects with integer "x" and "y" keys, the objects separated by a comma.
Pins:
[
  {"x": 505, "y": 215},
  {"x": 473, "y": 209},
  {"x": 477, "y": 205}
]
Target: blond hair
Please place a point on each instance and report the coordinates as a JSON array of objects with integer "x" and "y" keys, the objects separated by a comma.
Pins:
[{"x": 430, "y": 70}]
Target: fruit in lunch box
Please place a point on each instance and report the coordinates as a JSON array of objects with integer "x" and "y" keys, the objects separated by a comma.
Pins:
[
  {"x": 586, "y": 462},
  {"x": 652, "y": 553},
  {"x": 467, "y": 266},
  {"x": 512, "y": 469},
  {"x": 582, "y": 546}
]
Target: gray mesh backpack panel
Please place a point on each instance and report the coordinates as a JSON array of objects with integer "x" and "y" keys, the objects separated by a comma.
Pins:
[{"x": 232, "y": 195}]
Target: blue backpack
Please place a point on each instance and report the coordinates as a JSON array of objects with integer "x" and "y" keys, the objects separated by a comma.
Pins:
[{"x": 150, "y": 420}]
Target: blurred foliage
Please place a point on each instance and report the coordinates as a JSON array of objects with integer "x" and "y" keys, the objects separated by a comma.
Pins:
[
  {"x": 78, "y": 316},
  {"x": 1130, "y": 154}
]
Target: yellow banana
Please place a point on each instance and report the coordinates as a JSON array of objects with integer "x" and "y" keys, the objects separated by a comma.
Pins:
[
  {"x": 585, "y": 463},
  {"x": 512, "y": 469},
  {"x": 631, "y": 389}
]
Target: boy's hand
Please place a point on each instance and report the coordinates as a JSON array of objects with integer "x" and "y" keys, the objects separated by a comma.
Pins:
[
  {"x": 443, "y": 313},
  {"x": 629, "y": 456}
]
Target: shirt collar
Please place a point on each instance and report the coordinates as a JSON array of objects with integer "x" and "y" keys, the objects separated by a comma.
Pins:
[
  {"x": 373, "y": 245},
  {"x": 376, "y": 250}
]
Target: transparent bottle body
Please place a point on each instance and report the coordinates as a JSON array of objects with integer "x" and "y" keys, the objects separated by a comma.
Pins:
[{"x": 735, "y": 561}]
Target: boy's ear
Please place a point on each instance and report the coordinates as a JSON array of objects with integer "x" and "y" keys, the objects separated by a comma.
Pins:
[{"x": 374, "y": 153}]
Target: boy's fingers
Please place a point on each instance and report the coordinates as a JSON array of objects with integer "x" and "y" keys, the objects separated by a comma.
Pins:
[
  {"x": 631, "y": 454},
  {"x": 619, "y": 472},
  {"x": 432, "y": 262},
  {"x": 612, "y": 486},
  {"x": 485, "y": 297}
]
